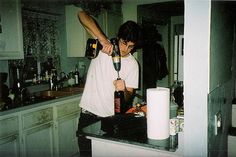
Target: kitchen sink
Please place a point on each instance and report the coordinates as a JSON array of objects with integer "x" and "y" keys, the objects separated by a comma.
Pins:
[{"x": 43, "y": 96}]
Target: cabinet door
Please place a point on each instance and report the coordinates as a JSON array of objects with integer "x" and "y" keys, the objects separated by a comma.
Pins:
[
  {"x": 11, "y": 41},
  {"x": 9, "y": 146},
  {"x": 9, "y": 136},
  {"x": 38, "y": 142},
  {"x": 110, "y": 23},
  {"x": 76, "y": 35},
  {"x": 38, "y": 133},
  {"x": 67, "y": 122},
  {"x": 67, "y": 139}
]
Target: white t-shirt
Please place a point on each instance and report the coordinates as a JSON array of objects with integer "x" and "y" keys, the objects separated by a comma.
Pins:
[{"x": 98, "y": 95}]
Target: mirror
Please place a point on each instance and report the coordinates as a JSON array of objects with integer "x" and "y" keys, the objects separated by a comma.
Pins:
[{"x": 40, "y": 38}]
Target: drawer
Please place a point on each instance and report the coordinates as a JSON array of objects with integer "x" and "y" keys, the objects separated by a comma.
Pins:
[
  {"x": 37, "y": 118},
  {"x": 9, "y": 126},
  {"x": 68, "y": 108}
]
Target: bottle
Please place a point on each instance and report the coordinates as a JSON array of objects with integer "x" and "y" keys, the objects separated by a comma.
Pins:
[
  {"x": 138, "y": 112},
  {"x": 17, "y": 83},
  {"x": 17, "y": 87},
  {"x": 71, "y": 80},
  {"x": 76, "y": 74},
  {"x": 119, "y": 102},
  {"x": 53, "y": 80}
]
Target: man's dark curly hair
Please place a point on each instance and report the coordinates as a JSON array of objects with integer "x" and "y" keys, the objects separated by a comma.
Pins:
[{"x": 130, "y": 31}]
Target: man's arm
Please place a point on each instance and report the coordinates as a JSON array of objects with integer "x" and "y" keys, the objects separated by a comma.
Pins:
[{"x": 93, "y": 28}]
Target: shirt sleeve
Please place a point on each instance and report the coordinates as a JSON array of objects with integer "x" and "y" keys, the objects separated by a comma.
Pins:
[{"x": 132, "y": 79}]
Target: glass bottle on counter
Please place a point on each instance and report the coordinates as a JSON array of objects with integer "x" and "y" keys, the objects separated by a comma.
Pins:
[{"x": 76, "y": 74}]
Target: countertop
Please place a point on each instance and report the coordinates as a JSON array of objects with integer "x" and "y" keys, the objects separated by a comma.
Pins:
[
  {"x": 128, "y": 129},
  {"x": 37, "y": 104},
  {"x": 44, "y": 97}
]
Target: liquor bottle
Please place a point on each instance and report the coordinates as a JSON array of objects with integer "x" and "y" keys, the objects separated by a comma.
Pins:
[
  {"x": 76, "y": 74},
  {"x": 119, "y": 102}
]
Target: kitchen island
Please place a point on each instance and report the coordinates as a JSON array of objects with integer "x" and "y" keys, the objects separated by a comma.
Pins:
[{"x": 126, "y": 135}]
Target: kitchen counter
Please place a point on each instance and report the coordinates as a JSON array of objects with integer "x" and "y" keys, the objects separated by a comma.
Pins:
[
  {"x": 38, "y": 104},
  {"x": 127, "y": 129},
  {"x": 44, "y": 122}
]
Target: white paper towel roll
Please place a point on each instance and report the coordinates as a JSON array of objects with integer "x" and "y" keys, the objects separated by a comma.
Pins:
[{"x": 158, "y": 111}]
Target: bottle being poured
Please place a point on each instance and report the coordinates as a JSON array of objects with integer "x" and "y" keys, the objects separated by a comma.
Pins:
[{"x": 119, "y": 99}]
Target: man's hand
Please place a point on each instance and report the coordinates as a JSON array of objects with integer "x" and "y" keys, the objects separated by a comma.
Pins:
[
  {"x": 119, "y": 85},
  {"x": 107, "y": 47}
]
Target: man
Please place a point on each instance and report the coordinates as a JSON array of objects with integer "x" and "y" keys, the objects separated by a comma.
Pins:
[{"x": 98, "y": 97}]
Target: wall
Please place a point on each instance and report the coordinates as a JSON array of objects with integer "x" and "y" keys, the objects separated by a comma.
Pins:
[
  {"x": 219, "y": 100},
  {"x": 222, "y": 34},
  {"x": 220, "y": 97},
  {"x": 196, "y": 76}
]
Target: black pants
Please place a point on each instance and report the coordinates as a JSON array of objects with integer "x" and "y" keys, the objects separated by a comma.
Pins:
[{"x": 85, "y": 144}]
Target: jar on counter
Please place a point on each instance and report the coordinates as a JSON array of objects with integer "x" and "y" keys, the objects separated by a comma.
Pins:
[{"x": 71, "y": 79}]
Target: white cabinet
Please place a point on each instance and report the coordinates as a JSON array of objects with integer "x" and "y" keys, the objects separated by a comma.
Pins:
[
  {"x": 38, "y": 133},
  {"x": 76, "y": 35},
  {"x": 9, "y": 137},
  {"x": 11, "y": 41},
  {"x": 45, "y": 131},
  {"x": 67, "y": 121}
]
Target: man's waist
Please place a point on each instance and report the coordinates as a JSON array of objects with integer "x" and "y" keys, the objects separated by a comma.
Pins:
[
  {"x": 84, "y": 111},
  {"x": 88, "y": 113}
]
